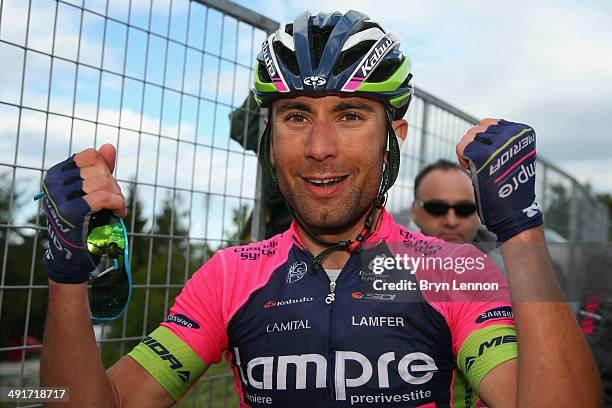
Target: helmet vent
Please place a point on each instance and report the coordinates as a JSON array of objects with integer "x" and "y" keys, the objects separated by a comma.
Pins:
[
  {"x": 352, "y": 55},
  {"x": 263, "y": 73},
  {"x": 287, "y": 56},
  {"x": 385, "y": 70},
  {"x": 318, "y": 41}
]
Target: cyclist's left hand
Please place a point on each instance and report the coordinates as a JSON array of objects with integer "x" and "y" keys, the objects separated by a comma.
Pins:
[{"x": 500, "y": 156}]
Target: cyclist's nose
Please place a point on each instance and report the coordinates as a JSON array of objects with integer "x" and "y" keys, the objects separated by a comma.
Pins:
[{"x": 321, "y": 143}]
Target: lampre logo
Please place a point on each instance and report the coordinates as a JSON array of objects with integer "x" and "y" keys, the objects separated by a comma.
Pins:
[
  {"x": 413, "y": 368},
  {"x": 315, "y": 81},
  {"x": 274, "y": 303},
  {"x": 297, "y": 271},
  {"x": 524, "y": 174}
]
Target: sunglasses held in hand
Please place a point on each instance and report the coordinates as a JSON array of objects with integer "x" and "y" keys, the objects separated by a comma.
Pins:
[
  {"x": 111, "y": 279},
  {"x": 439, "y": 208}
]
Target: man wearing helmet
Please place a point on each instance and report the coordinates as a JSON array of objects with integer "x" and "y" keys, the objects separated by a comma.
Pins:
[{"x": 290, "y": 313}]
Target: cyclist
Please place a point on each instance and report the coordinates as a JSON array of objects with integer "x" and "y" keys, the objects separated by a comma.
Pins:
[{"x": 288, "y": 313}]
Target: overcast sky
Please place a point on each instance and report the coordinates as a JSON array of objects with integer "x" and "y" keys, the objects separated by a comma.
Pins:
[{"x": 545, "y": 63}]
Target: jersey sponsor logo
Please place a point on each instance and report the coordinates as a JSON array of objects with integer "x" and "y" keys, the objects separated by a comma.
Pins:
[
  {"x": 165, "y": 354},
  {"x": 419, "y": 246},
  {"x": 497, "y": 313},
  {"x": 254, "y": 252},
  {"x": 182, "y": 320},
  {"x": 524, "y": 174},
  {"x": 288, "y": 326},
  {"x": 377, "y": 321},
  {"x": 276, "y": 303},
  {"x": 381, "y": 399},
  {"x": 373, "y": 296},
  {"x": 315, "y": 81},
  {"x": 511, "y": 152},
  {"x": 414, "y": 368},
  {"x": 296, "y": 272},
  {"x": 485, "y": 345}
]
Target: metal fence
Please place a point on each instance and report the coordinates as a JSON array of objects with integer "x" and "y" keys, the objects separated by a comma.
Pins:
[
  {"x": 159, "y": 79},
  {"x": 571, "y": 212}
]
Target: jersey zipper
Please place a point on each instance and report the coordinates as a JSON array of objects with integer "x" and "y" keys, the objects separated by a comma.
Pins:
[{"x": 329, "y": 299}]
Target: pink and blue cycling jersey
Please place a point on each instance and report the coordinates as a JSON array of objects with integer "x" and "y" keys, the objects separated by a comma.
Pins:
[{"x": 263, "y": 306}]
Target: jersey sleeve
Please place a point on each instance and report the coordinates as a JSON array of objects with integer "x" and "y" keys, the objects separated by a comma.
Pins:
[
  {"x": 478, "y": 312},
  {"x": 193, "y": 336}
]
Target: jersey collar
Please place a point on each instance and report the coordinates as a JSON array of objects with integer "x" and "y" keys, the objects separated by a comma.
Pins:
[{"x": 385, "y": 226}]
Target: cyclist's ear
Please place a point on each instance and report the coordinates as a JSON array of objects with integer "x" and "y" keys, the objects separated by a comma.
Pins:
[{"x": 401, "y": 128}]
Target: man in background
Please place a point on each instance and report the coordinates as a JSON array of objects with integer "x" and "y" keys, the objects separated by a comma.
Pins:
[{"x": 444, "y": 206}]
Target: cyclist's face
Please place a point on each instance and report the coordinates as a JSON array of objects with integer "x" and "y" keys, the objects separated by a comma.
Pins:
[{"x": 329, "y": 154}]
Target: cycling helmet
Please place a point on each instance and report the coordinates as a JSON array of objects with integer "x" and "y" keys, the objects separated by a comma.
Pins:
[{"x": 334, "y": 53}]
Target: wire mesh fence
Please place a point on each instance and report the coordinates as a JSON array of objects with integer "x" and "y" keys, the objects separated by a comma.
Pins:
[
  {"x": 160, "y": 79},
  {"x": 571, "y": 212}
]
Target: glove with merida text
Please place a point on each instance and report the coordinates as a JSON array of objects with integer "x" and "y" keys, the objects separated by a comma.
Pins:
[{"x": 502, "y": 163}]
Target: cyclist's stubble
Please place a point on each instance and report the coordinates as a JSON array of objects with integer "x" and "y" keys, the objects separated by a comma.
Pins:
[{"x": 342, "y": 211}]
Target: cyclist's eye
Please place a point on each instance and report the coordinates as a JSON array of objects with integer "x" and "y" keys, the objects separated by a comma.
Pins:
[
  {"x": 350, "y": 116},
  {"x": 295, "y": 117}
]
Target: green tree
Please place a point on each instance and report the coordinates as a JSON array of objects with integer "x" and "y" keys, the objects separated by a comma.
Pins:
[
  {"x": 240, "y": 233},
  {"x": 557, "y": 212},
  {"x": 607, "y": 200},
  {"x": 21, "y": 267}
]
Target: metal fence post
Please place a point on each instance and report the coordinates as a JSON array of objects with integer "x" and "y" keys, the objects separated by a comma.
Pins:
[
  {"x": 574, "y": 222},
  {"x": 423, "y": 148}
]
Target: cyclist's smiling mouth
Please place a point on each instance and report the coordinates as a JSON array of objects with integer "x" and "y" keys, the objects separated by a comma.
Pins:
[{"x": 325, "y": 186}]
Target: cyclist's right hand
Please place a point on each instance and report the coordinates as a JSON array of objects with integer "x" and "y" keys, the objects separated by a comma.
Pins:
[{"x": 74, "y": 190}]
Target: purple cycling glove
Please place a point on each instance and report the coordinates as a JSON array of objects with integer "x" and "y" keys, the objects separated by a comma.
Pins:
[
  {"x": 67, "y": 258},
  {"x": 503, "y": 166}
]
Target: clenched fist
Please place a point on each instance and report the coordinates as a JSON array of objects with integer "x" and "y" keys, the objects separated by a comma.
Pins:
[
  {"x": 501, "y": 157},
  {"x": 75, "y": 189}
]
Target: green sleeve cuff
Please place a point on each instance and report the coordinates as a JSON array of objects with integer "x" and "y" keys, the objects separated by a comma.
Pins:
[
  {"x": 170, "y": 361},
  {"x": 484, "y": 350}
]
